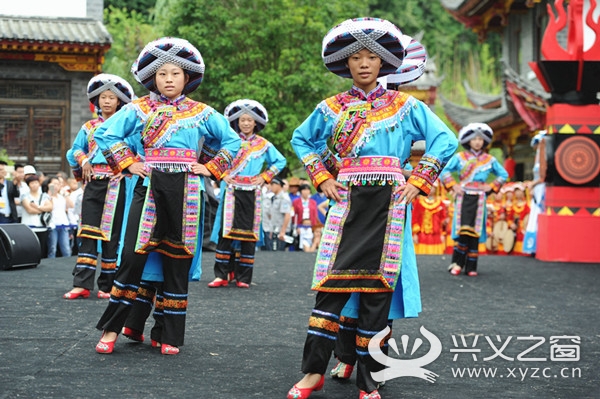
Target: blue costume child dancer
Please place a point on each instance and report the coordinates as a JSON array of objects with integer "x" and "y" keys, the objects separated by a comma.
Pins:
[
  {"x": 165, "y": 212},
  {"x": 473, "y": 166},
  {"x": 239, "y": 214},
  {"x": 104, "y": 194}
]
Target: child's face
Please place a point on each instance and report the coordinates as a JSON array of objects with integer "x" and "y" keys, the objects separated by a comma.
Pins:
[
  {"x": 519, "y": 194},
  {"x": 108, "y": 103},
  {"x": 476, "y": 143},
  {"x": 171, "y": 80},
  {"x": 246, "y": 124}
]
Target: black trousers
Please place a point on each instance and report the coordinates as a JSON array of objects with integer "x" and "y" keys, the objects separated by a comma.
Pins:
[
  {"x": 345, "y": 345},
  {"x": 87, "y": 252},
  {"x": 466, "y": 253},
  {"x": 323, "y": 329},
  {"x": 226, "y": 262},
  {"x": 129, "y": 274},
  {"x": 150, "y": 294}
]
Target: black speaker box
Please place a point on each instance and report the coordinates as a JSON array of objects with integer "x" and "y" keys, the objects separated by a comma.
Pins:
[{"x": 19, "y": 246}]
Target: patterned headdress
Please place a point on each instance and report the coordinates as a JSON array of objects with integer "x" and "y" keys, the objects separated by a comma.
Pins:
[
  {"x": 105, "y": 81},
  {"x": 538, "y": 137},
  {"x": 413, "y": 64},
  {"x": 253, "y": 108},
  {"x": 169, "y": 50},
  {"x": 377, "y": 35},
  {"x": 473, "y": 130}
]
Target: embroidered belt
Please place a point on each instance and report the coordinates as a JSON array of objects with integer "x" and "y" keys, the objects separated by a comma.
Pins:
[
  {"x": 371, "y": 171},
  {"x": 473, "y": 187},
  {"x": 102, "y": 171},
  {"x": 244, "y": 183},
  {"x": 171, "y": 159}
]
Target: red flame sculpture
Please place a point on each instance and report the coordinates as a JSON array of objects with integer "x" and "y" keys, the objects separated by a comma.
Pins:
[{"x": 552, "y": 50}]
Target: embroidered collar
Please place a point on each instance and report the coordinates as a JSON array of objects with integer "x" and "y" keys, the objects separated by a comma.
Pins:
[
  {"x": 377, "y": 92},
  {"x": 477, "y": 154},
  {"x": 247, "y": 138},
  {"x": 174, "y": 102}
]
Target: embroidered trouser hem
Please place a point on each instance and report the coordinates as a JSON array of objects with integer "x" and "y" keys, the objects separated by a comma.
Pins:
[{"x": 323, "y": 329}]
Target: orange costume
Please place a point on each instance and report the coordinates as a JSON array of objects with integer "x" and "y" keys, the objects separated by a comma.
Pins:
[
  {"x": 519, "y": 213},
  {"x": 429, "y": 218}
]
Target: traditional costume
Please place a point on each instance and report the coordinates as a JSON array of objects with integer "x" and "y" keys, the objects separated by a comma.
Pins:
[
  {"x": 429, "y": 217},
  {"x": 165, "y": 213},
  {"x": 239, "y": 212},
  {"x": 519, "y": 215},
  {"x": 538, "y": 195},
  {"x": 370, "y": 135},
  {"x": 103, "y": 197},
  {"x": 470, "y": 212}
]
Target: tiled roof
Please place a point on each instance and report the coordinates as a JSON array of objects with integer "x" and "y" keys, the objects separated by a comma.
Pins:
[
  {"x": 53, "y": 30},
  {"x": 481, "y": 100},
  {"x": 462, "y": 116}
]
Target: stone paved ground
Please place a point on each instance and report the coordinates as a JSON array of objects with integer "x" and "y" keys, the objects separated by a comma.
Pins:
[{"x": 248, "y": 343}]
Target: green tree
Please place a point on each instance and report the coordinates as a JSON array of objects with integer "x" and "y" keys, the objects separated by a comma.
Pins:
[
  {"x": 130, "y": 31},
  {"x": 143, "y": 7}
]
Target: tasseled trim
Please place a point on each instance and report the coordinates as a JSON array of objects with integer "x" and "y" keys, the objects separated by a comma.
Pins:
[
  {"x": 371, "y": 171},
  {"x": 172, "y": 160}
]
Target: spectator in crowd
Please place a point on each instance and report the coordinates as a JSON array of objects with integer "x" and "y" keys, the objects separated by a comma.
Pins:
[
  {"x": 8, "y": 194},
  {"x": 306, "y": 219},
  {"x": 277, "y": 217},
  {"x": 35, "y": 203},
  {"x": 19, "y": 182},
  {"x": 58, "y": 230},
  {"x": 293, "y": 188},
  {"x": 76, "y": 195}
]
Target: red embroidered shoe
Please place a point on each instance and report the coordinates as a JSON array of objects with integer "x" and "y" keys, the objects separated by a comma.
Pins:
[
  {"x": 303, "y": 393},
  {"x": 342, "y": 371},
  {"x": 242, "y": 285},
  {"x": 133, "y": 335},
  {"x": 103, "y": 295},
  {"x": 105, "y": 347},
  {"x": 455, "y": 269},
  {"x": 167, "y": 349},
  {"x": 74, "y": 295},
  {"x": 472, "y": 273},
  {"x": 218, "y": 283},
  {"x": 372, "y": 395}
]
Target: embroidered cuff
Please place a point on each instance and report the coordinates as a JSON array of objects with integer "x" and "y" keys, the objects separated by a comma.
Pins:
[
  {"x": 80, "y": 157},
  {"x": 77, "y": 172},
  {"x": 448, "y": 181},
  {"x": 220, "y": 163},
  {"x": 426, "y": 172},
  {"x": 496, "y": 185},
  {"x": 316, "y": 169},
  {"x": 119, "y": 157},
  {"x": 206, "y": 154},
  {"x": 268, "y": 174}
]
